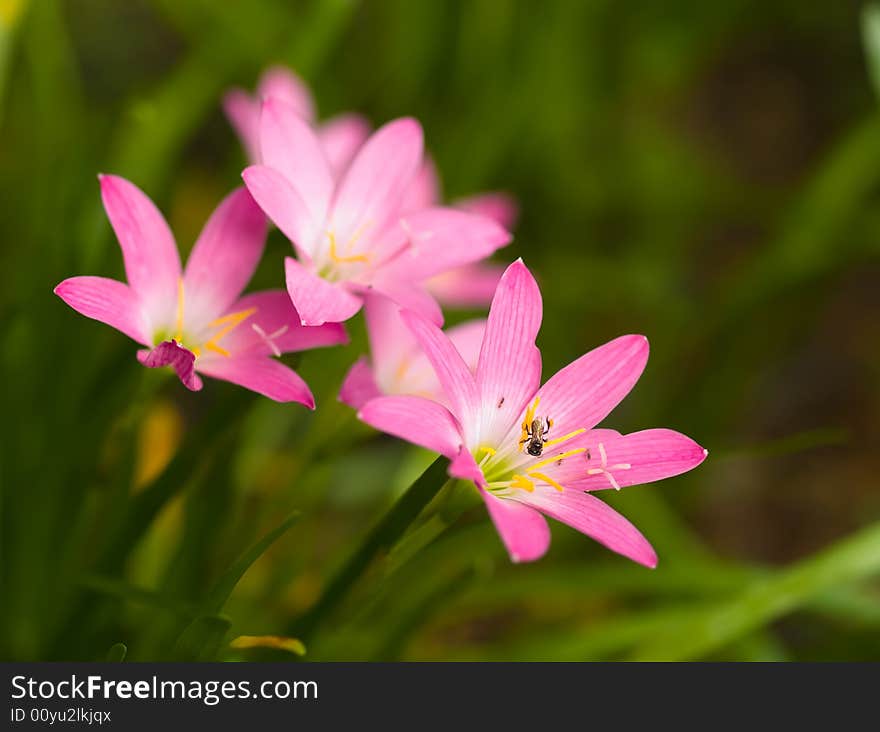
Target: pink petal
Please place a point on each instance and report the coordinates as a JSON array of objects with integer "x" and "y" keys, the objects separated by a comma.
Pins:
[
  {"x": 584, "y": 392},
  {"x": 171, "y": 353},
  {"x": 260, "y": 374},
  {"x": 455, "y": 377},
  {"x": 408, "y": 296},
  {"x": 108, "y": 301},
  {"x": 284, "y": 206},
  {"x": 275, "y": 327},
  {"x": 500, "y": 207},
  {"x": 472, "y": 285},
  {"x": 522, "y": 529},
  {"x": 443, "y": 239},
  {"x": 592, "y": 517},
  {"x": 416, "y": 420},
  {"x": 243, "y": 113},
  {"x": 464, "y": 466},
  {"x": 152, "y": 264},
  {"x": 359, "y": 385},
  {"x": 650, "y": 454},
  {"x": 424, "y": 191},
  {"x": 467, "y": 338},
  {"x": 372, "y": 191},
  {"x": 224, "y": 258},
  {"x": 391, "y": 342},
  {"x": 288, "y": 144},
  {"x": 509, "y": 369},
  {"x": 341, "y": 137},
  {"x": 316, "y": 300},
  {"x": 281, "y": 83}
]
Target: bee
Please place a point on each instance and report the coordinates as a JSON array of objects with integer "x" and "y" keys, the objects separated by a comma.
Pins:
[{"x": 536, "y": 436}]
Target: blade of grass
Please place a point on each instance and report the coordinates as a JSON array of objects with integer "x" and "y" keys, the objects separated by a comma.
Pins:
[{"x": 851, "y": 560}]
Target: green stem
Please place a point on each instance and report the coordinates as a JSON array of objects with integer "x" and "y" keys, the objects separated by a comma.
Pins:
[{"x": 381, "y": 538}]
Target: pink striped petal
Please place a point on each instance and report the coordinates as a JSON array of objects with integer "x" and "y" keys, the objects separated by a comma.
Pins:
[
  {"x": 443, "y": 239},
  {"x": 640, "y": 457},
  {"x": 108, "y": 301},
  {"x": 224, "y": 258},
  {"x": 260, "y": 374},
  {"x": 500, "y": 207},
  {"x": 424, "y": 191},
  {"x": 152, "y": 264},
  {"x": 274, "y": 328},
  {"x": 171, "y": 353},
  {"x": 523, "y": 530},
  {"x": 592, "y": 517},
  {"x": 410, "y": 297},
  {"x": 509, "y": 369},
  {"x": 472, "y": 285},
  {"x": 284, "y": 206},
  {"x": 464, "y": 466},
  {"x": 584, "y": 392},
  {"x": 281, "y": 83},
  {"x": 243, "y": 113},
  {"x": 359, "y": 385},
  {"x": 341, "y": 137},
  {"x": 455, "y": 377},
  {"x": 467, "y": 338},
  {"x": 391, "y": 343},
  {"x": 316, "y": 300},
  {"x": 290, "y": 146},
  {"x": 416, "y": 420},
  {"x": 372, "y": 191}
]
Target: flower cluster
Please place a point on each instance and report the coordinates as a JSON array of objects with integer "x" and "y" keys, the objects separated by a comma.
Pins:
[{"x": 363, "y": 213}]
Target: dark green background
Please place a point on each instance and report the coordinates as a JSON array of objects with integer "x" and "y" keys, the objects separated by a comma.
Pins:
[{"x": 705, "y": 173}]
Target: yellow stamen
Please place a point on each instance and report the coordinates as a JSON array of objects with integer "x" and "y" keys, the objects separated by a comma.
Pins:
[
  {"x": 230, "y": 323},
  {"x": 179, "y": 328},
  {"x": 547, "y": 479},
  {"x": 564, "y": 438},
  {"x": 556, "y": 458},
  {"x": 520, "y": 481},
  {"x": 344, "y": 259},
  {"x": 529, "y": 418},
  {"x": 211, "y": 346},
  {"x": 486, "y": 449}
]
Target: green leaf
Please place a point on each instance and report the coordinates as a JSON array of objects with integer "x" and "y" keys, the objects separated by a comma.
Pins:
[
  {"x": 117, "y": 653},
  {"x": 851, "y": 560},
  {"x": 871, "y": 40},
  {"x": 382, "y": 537},
  {"x": 221, "y": 591}
]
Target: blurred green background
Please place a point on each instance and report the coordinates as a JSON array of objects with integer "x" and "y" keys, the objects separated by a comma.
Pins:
[{"x": 704, "y": 173}]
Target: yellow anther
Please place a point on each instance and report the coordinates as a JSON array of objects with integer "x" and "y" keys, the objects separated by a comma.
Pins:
[
  {"x": 178, "y": 331},
  {"x": 229, "y": 322},
  {"x": 556, "y": 458},
  {"x": 211, "y": 346},
  {"x": 486, "y": 449},
  {"x": 547, "y": 479},
  {"x": 520, "y": 481},
  {"x": 564, "y": 438},
  {"x": 528, "y": 419},
  {"x": 344, "y": 259}
]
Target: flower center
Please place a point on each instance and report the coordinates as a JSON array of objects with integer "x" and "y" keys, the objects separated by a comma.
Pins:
[
  {"x": 339, "y": 257},
  {"x": 216, "y": 329},
  {"x": 534, "y": 459}
]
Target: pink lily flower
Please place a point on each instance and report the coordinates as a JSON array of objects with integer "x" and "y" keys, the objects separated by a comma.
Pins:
[
  {"x": 471, "y": 285},
  {"x": 351, "y": 234},
  {"x": 532, "y": 449},
  {"x": 397, "y": 364},
  {"x": 197, "y": 321},
  {"x": 340, "y": 136}
]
